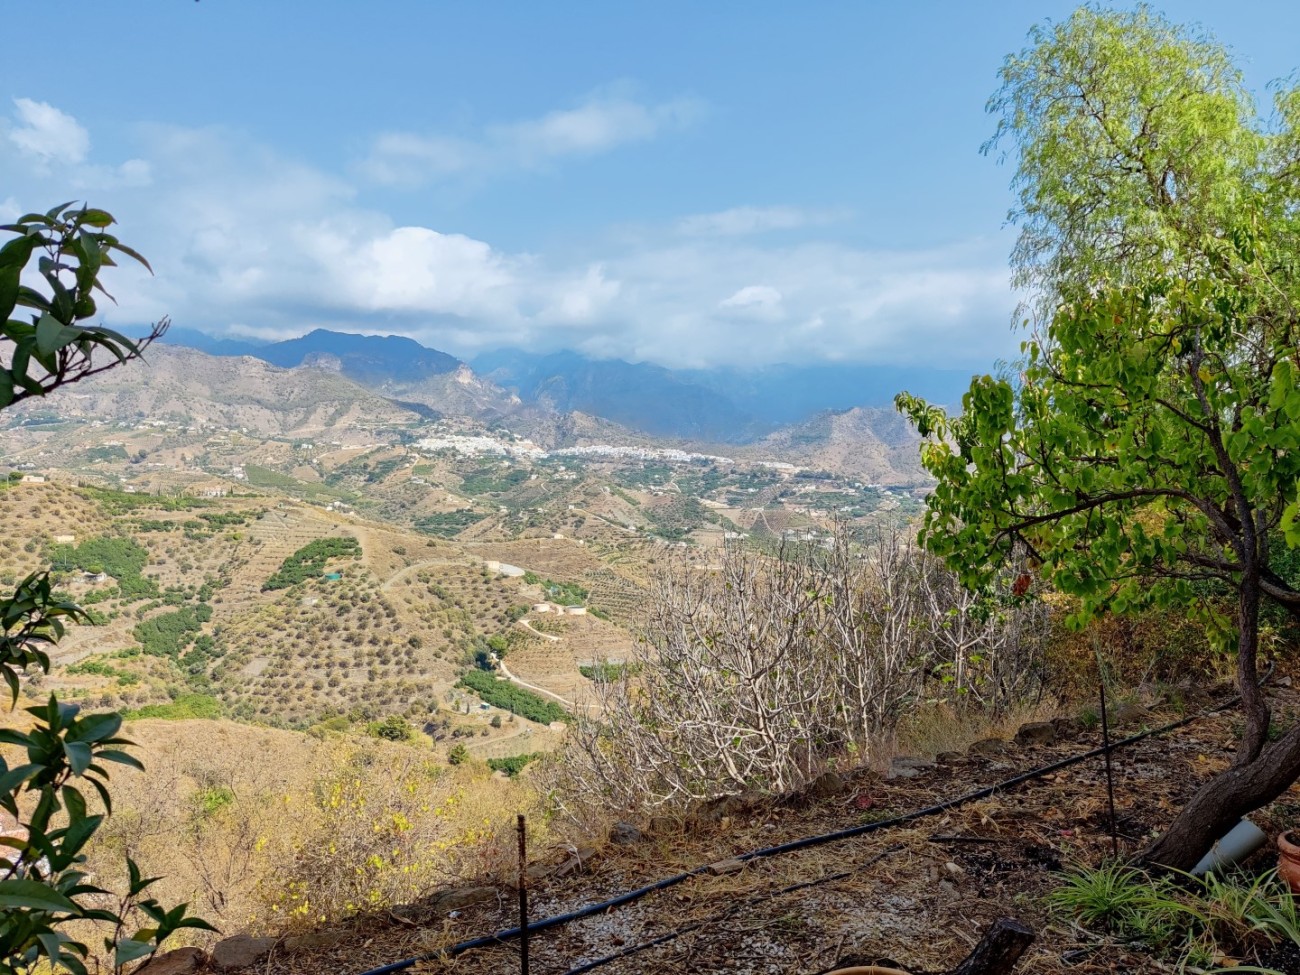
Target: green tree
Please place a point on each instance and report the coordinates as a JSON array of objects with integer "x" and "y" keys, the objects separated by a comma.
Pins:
[
  {"x": 43, "y": 887},
  {"x": 1148, "y": 452}
]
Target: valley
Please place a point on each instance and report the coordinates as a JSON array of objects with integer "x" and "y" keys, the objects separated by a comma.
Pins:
[{"x": 288, "y": 547}]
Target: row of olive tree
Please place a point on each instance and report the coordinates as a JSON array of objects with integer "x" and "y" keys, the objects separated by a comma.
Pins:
[{"x": 754, "y": 674}]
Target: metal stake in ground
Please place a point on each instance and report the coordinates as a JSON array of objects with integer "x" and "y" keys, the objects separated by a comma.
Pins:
[
  {"x": 523, "y": 894},
  {"x": 1110, "y": 779}
]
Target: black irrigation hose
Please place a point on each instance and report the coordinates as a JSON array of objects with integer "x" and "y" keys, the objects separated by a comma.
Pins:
[
  {"x": 722, "y": 916},
  {"x": 802, "y": 844}
]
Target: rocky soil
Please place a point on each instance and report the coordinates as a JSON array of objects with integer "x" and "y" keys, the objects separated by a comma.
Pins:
[{"x": 917, "y": 895}]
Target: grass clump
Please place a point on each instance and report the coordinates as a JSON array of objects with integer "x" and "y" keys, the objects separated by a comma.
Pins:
[
  {"x": 184, "y": 707},
  {"x": 1190, "y": 921}
]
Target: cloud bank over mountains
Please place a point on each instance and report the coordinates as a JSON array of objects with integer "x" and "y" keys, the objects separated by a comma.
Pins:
[{"x": 246, "y": 240}]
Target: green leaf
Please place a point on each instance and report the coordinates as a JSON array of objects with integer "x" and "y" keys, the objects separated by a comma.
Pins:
[
  {"x": 52, "y": 335},
  {"x": 129, "y": 950},
  {"x": 121, "y": 758},
  {"x": 96, "y": 218},
  {"x": 79, "y": 756},
  {"x": 32, "y": 895},
  {"x": 96, "y": 727}
]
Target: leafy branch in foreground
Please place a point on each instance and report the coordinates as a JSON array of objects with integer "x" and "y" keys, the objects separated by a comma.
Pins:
[
  {"x": 52, "y": 349},
  {"x": 43, "y": 885}
]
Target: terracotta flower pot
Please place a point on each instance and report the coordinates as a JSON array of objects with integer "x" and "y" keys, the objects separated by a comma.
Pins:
[{"x": 1288, "y": 861}]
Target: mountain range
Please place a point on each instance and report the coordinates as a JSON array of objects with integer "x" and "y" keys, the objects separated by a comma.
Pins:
[{"x": 720, "y": 406}]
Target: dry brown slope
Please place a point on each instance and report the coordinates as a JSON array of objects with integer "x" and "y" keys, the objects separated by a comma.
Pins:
[
  {"x": 230, "y": 392},
  {"x": 876, "y": 445}
]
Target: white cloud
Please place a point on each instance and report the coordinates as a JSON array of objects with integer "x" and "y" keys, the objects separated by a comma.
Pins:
[
  {"x": 742, "y": 221},
  {"x": 753, "y": 296},
  {"x": 47, "y": 133},
  {"x": 243, "y": 239},
  {"x": 603, "y": 122}
]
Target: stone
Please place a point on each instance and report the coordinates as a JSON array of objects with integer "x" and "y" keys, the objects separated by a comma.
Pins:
[
  {"x": 540, "y": 871},
  {"x": 182, "y": 961},
  {"x": 910, "y": 761},
  {"x": 715, "y": 810},
  {"x": 624, "y": 834},
  {"x": 1067, "y": 727},
  {"x": 327, "y": 939},
  {"x": 988, "y": 748},
  {"x": 579, "y": 858},
  {"x": 1130, "y": 712},
  {"x": 241, "y": 951},
  {"x": 901, "y": 772},
  {"x": 827, "y": 786},
  {"x": 455, "y": 900},
  {"x": 722, "y": 867},
  {"x": 1036, "y": 733}
]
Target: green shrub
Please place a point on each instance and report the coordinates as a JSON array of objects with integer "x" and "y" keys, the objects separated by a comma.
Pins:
[
  {"x": 458, "y": 755},
  {"x": 392, "y": 728},
  {"x": 607, "y": 672},
  {"x": 184, "y": 707},
  {"x": 310, "y": 560},
  {"x": 513, "y": 698},
  {"x": 513, "y": 764},
  {"x": 210, "y": 801}
]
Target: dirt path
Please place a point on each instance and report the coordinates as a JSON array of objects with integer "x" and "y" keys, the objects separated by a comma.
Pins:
[
  {"x": 488, "y": 742},
  {"x": 501, "y": 664},
  {"x": 401, "y": 574},
  {"x": 545, "y": 636}
]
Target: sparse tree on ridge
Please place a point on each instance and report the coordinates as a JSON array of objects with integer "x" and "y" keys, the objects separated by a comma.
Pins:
[{"x": 1148, "y": 452}]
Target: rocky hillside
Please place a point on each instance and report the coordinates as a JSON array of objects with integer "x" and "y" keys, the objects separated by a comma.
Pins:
[
  {"x": 239, "y": 393},
  {"x": 871, "y": 443}
]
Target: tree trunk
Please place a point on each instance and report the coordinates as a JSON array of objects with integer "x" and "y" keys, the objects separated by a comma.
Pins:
[
  {"x": 1259, "y": 772},
  {"x": 1223, "y": 800},
  {"x": 999, "y": 949}
]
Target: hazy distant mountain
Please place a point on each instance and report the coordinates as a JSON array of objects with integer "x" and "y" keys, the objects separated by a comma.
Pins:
[
  {"x": 784, "y": 394},
  {"x": 369, "y": 359},
  {"x": 875, "y": 444},
  {"x": 193, "y": 339},
  {"x": 725, "y": 405},
  {"x": 193, "y": 387},
  {"x": 644, "y": 397}
]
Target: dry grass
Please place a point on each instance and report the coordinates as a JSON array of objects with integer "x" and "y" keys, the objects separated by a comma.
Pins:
[
  {"x": 270, "y": 831},
  {"x": 936, "y": 728}
]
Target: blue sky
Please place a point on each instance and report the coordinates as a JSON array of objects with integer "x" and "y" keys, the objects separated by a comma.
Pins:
[{"x": 684, "y": 183}]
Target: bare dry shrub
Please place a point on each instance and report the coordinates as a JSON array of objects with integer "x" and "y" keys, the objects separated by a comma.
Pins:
[
  {"x": 756, "y": 674},
  {"x": 271, "y": 830}
]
